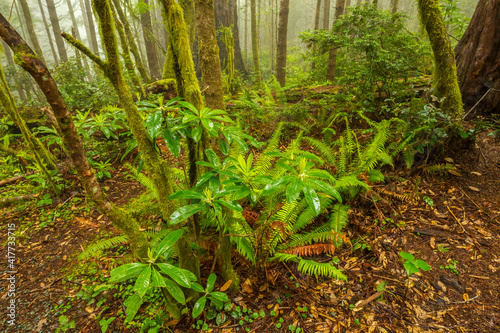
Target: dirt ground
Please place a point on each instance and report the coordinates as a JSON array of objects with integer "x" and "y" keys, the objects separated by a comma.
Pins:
[{"x": 458, "y": 237}]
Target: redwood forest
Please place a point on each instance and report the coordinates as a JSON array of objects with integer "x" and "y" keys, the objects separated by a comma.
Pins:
[{"x": 250, "y": 166}]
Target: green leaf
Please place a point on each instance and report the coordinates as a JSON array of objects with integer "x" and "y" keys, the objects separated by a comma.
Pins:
[
  {"x": 157, "y": 278},
  {"x": 407, "y": 256},
  {"x": 293, "y": 190},
  {"x": 199, "y": 306},
  {"x": 312, "y": 199},
  {"x": 422, "y": 265},
  {"x": 153, "y": 124},
  {"x": 132, "y": 305},
  {"x": 224, "y": 147},
  {"x": 127, "y": 271},
  {"x": 206, "y": 177},
  {"x": 175, "y": 291},
  {"x": 375, "y": 176},
  {"x": 143, "y": 282},
  {"x": 275, "y": 185},
  {"x": 196, "y": 287},
  {"x": 326, "y": 188},
  {"x": 185, "y": 212},
  {"x": 241, "y": 143},
  {"x": 175, "y": 273},
  {"x": 211, "y": 282},
  {"x": 188, "y": 194},
  {"x": 212, "y": 157},
  {"x": 189, "y": 118},
  {"x": 241, "y": 192},
  {"x": 318, "y": 173},
  {"x": 168, "y": 241},
  {"x": 196, "y": 133},
  {"x": 189, "y": 106},
  {"x": 173, "y": 141},
  {"x": 219, "y": 296},
  {"x": 231, "y": 205},
  {"x": 208, "y": 124}
]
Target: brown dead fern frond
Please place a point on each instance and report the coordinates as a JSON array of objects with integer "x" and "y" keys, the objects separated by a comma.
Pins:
[{"x": 312, "y": 250}]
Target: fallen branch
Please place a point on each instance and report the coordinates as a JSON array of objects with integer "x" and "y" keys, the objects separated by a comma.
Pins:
[
  {"x": 13, "y": 200},
  {"x": 14, "y": 179}
]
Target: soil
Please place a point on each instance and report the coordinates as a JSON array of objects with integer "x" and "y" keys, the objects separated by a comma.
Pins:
[{"x": 450, "y": 220}]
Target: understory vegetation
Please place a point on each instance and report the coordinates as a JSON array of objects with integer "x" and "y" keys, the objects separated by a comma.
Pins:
[{"x": 269, "y": 181}]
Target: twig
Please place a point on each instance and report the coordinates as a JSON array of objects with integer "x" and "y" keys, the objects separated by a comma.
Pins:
[
  {"x": 486, "y": 93},
  {"x": 457, "y": 219}
]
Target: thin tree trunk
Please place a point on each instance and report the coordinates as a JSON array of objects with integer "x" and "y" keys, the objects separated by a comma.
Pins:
[
  {"x": 326, "y": 15},
  {"x": 51, "y": 7},
  {"x": 31, "y": 29},
  {"x": 332, "y": 56},
  {"x": 445, "y": 69},
  {"x": 26, "y": 58},
  {"x": 282, "y": 41},
  {"x": 131, "y": 42},
  {"x": 209, "y": 54},
  {"x": 94, "y": 45},
  {"x": 271, "y": 33},
  {"x": 76, "y": 34},
  {"x": 152, "y": 54},
  {"x": 255, "y": 44},
  {"x": 316, "y": 17},
  {"x": 246, "y": 33},
  {"x": 238, "y": 58},
  {"x": 394, "y": 6}
]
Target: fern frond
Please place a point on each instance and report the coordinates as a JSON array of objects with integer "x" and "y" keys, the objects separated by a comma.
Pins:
[
  {"x": 320, "y": 235},
  {"x": 263, "y": 163},
  {"x": 310, "y": 267},
  {"x": 338, "y": 220},
  {"x": 325, "y": 151},
  {"x": 313, "y": 250},
  {"x": 308, "y": 214},
  {"x": 96, "y": 248}
]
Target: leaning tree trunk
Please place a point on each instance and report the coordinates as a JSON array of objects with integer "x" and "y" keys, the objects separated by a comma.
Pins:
[
  {"x": 31, "y": 29},
  {"x": 209, "y": 54},
  {"x": 445, "y": 70},
  {"x": 282, "y": 39},
  {"x": 57, "y": 30},
  {"x": 27, "y": 59},
  {"x": 332, "y": 56},
  {"x": 478, "y": 59}
]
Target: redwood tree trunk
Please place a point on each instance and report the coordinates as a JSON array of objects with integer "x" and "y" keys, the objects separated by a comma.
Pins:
[
  {"x": 57, "y": 30},
  {"x": 478, "y": 59},
  {"x": 326, "y": 15},
  {"x": 282, "y": 39},
  {"x": 152, "y": 54},
  {"x": 332, "y": 56}
]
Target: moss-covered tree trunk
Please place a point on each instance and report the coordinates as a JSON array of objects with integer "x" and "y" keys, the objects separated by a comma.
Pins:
[
  {"x": 478, "y": 59},
  {"x": 332, "y": 55},
  {"x": 209, "y": 54},
  {"x": 31, "y": 29},
  {"x": 445, "y": 70},
  {"x": 131, "y": 43},
  {"x": 282, "y": 41},
  {"x": 255, "y": 44},
  {"x": 27, "y": 59}
]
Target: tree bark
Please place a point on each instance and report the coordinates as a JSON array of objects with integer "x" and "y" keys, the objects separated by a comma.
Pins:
[
  {"x": 27, "y": 59},
  {"x": 31, "y": 29},
  {"x": 445, "y": 70},
  {"x": 332, "y": 56},
  {"x": 76, "y": 32},
  {"x": 51, "y": 7},
  {"x": 255, "y": 44},
  {"x": 94, "y": 45},
  {"x": 316, "y": 17},
  {"x": 326, "y": 15},
  {"x": 394, "y": 6},
  {"x": 152, "y": 54},
  {"x": 282, "y": 41},
  {"x": 478, "y": 59},
  {"x": 209, "y": 54}
]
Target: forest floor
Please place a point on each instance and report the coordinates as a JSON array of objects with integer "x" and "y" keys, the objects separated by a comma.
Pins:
[{"x": 458, "y": 236}]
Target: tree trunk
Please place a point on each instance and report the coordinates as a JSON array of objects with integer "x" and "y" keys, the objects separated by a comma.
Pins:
[
  {"x": 394, "y": 6},
  {"x": 271, "y": 34},
  {"x": 94, "y": 45},
  {"x": 76, "y": 32},
  {"x": 131, "y": 43},
  {"x": 375, "y": 3},
  {"x": 478, "y": 59},
  {"x": 31, "y": 29},
  {"x": 445, "y": 70},
  {"x": 326, "y": 15},
  {"x": 332, "y": 56},
  {"x": 209, "y": 54},
  {"x": 255, "y": 44},
  {"x": 51, "y": 7},
  {"x": 26, "y": 58},
  {"x": 152, "y": 54},
  {"x": 316, "y": 17},
  {"x": 246, "y": 32},
  {"x": 282, "y": 40}
]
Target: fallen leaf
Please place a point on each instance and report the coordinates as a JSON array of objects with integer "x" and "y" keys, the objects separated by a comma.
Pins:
[
  {"x": 476, "y": 173},
  {"x": 247, "y": 286},
  {"x": 226, "y": 286},
  {"x": 474, "y": 188},
  {"x": 40, "y": 324},
  {"x": 448, "y": 159},
  {"x": 455, "y": 173},
  {"x": 89, "y": 309}
]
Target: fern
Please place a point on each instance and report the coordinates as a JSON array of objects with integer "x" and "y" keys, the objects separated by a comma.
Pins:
[
  {"x": 96, "y": 248},
  {"x": 263, "y": 163},
  {"x": 338, "y": 220},
  {"x": 323, "y": 149},
  {"x": 311, "y": 267}
]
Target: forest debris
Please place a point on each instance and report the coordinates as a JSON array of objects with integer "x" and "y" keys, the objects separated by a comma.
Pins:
[
  {"x": 359, "y": 305},
  {"x": 474, "y": 189},
  {"x": 452, "y": 283}
]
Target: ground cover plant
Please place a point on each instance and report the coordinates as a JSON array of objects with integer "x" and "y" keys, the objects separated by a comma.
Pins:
[{"x": 356, "y": 200}]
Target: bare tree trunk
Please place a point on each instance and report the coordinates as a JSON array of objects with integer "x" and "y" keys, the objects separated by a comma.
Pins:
[
  {"x": 246, "y": 32},
  {"x": 394, "y": 6},
  {"x": 255, "y": 44},
  {"x": 51, "y": 7},
  {"x": 31, "y": 29},
  {"x": 332, "y": 56},
  {"x": 282, "y": 41},
  {"x": 209, "y": 54},
  {"x": 27, "y": 59},
  {"x": 271, "y": 34},
  {"x": 478, "y": 59},
  {"x": 445, "y": 70},
  {"x": 94, "y": 46},
  {"x": 316, "y": 17},
  {"x": 326, "y": 15},
  {"x": 152, "y": 54},
  {"x": 76, "y": 33}
]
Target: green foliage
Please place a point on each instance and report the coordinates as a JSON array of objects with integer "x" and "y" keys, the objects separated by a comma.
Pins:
[
  {"x": 455, "y": 21},
  {"x": 217, "y": 298},
  {"x": 413, "y": 265},
  {"x": 102, "y": 169}
]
